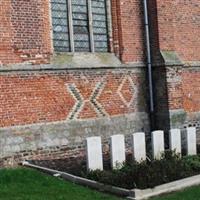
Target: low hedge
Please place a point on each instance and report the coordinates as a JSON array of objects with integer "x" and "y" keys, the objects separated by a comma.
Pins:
[{"x": 149, "y": 173}]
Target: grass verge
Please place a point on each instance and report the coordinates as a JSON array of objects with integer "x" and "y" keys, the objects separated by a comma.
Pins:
[
  {"x": 192, "y": 193},
  {"x": 28, "y": 184}
]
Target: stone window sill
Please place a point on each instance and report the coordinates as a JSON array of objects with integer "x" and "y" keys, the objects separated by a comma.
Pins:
[
  {"x": 75, "y": 61},
  {"x": 85, "y": 60}
]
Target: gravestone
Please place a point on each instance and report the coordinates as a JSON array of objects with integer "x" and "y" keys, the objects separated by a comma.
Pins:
[
  {"x": 191, "y": 141},
  {"x": 175, "y": 140},
  {"x": 94, "y": 153},
  {"x": 157, "y": 144},
  {"x": 118, "y": 155},
  {"x": 139, "y": 147}
]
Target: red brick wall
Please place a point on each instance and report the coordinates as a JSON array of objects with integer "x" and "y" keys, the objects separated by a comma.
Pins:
[
  {"x": 25, "y": 34},
  {"x": 178, "y": 27},
  {"x": 34, "y": 97},
  {"x": 191, "y": 91},
  {"x": 31, "y": 29},
  {"x": 25, "y": 26},
  {"x": 165, "y": 20},
  {"x": 174, "y": 88},
  {"x": 26, "y": 31},
  {"x": 28, "y": 98},
  {"x": 6, "y": 51},
  {"x": 128, "y": 30},
  {"x": 187, "y": 31}
]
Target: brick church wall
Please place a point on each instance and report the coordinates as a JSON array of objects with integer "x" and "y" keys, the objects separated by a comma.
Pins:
[
  {"x": 25, "y": 32},
  {"x": 175, "y": 47},
  {"x": 47, "y": 111},
  {"x": 39, "y": 97},
  {"x": 55, "y": 111}
]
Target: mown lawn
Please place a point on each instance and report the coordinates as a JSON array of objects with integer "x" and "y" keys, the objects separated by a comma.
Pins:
[
  {"x": 27, "y": 184},
  {"x": 188, "y": 194}
]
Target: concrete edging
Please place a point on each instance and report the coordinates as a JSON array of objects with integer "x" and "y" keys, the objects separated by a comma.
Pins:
[
  {"x": 82, "y": 181},
  {"x": 134, "y": 194},
  {"x": 165, "y": 188}
]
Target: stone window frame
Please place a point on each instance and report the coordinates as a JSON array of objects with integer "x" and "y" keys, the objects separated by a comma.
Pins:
[{"x": 109, "y": 32}]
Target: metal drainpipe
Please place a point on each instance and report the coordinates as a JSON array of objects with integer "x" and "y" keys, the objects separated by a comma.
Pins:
[{"x": 149, "y": 65}]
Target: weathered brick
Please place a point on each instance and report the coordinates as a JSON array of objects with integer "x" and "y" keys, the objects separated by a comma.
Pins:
[{"x": 87, "y": 95}]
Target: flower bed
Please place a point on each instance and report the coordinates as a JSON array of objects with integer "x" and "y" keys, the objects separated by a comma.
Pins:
[
  {"x": 132, "y": 175},
  {"x": 150, "y": 173}
]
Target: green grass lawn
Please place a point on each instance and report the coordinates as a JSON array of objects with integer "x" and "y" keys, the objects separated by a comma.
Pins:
[
  {"x": 27, "y": 184},
  {"x": 188, "y": 194}
]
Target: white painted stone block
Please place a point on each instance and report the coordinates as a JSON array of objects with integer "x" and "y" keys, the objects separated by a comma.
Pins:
[
  {"x": 158, "y": 146},
  {"x": 94, "y": 153},
  {"x": 139, "y": 147},
  {"x": 118, "y": 154},
  {"x": 191, "y": 141},
  {"x": 175, "y": 140}
]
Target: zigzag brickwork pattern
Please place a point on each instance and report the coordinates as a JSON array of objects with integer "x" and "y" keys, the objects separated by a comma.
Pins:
[{"x": 45, "y": 97}]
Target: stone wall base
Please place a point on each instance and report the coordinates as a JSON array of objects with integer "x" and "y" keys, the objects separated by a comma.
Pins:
[{"x": 65, "y": 139}]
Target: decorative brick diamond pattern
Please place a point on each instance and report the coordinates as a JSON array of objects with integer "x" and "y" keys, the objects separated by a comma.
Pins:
[
  {"x": 74, "y": 95},
  {"x": 126, "y": 91},
  {"x": 111, "y": 99}
]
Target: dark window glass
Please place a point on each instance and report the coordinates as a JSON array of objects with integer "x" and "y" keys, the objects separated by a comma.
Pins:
[
  {"x": 80, "y": 25},
  {"x": 60, "y": 25},
  {"x": 100, "y": 25}
]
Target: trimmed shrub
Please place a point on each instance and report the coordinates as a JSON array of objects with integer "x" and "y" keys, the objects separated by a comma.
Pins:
[{"x": 148, "y": 174}]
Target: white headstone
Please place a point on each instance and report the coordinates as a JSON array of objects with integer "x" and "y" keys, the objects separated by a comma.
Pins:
[
  {"x": 175, "y": 140},
  {"x": 139, "y": 147},
  {"x": 191, "y": 141},
  {"x": 157, "y": 144},
  {"x": 94, "y": 153},
  {"x": 118, "y": 154}
]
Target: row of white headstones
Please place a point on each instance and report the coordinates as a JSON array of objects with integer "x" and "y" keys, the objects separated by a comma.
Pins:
[{"x": 118, "y": 151}]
